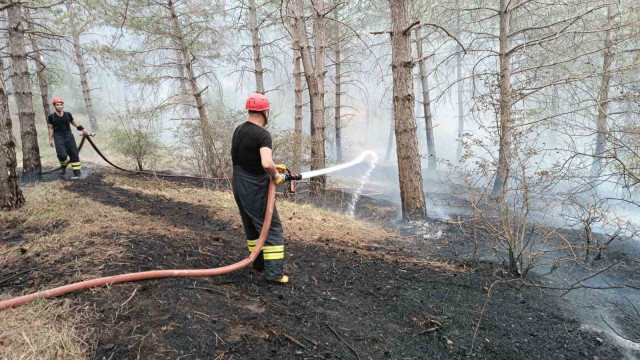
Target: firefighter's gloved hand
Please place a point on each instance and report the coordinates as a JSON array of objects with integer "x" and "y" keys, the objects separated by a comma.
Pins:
[
  {"x": 279, "y": 179},
  {"x": 282, "y": 168}
]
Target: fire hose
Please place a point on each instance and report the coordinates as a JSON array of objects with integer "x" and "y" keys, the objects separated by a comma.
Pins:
[{"x": 157, "y": 274}]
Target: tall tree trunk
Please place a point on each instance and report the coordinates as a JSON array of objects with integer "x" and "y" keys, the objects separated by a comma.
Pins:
[
  {"x": 409, "y": 171},
  {"x": 460, "y": 105},
  {"x": 86, "y": 91},
  {"x": 426, "y": 103},
  {"x": 298, "y": 111},
  {"x": 459, "y": 91},
  {"x": 10, "y": 194},
  {"x": 314, "y": 73},
  {"x": 338, "y": 80},
  {"x": 184, "y": 92},
  {"x": 43, "y": 82},
  {"x": 603, "y": 97},
  {"x": 297, "y": 88},
  {"x": 505, "y": 131},
  {"x": 214, "y": 166},
  {"x": 31, "y": 165},
  {"x": 257, "y": 58}
]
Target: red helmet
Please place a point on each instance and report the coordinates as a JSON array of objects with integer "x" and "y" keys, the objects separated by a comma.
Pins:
[
  {"x": 258, "y": 102},
  {"x": 57, "y": 100}
]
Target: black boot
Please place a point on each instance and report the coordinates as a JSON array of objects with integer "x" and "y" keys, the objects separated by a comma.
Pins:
[
  {"x": 76, "y": 175},
  {"x": 63, "y": 172}
]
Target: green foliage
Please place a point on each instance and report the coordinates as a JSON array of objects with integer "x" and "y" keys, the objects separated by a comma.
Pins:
[{"x": 137, "y": 144}]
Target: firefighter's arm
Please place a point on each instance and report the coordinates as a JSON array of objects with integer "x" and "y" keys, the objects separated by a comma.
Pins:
[
  {"x": 50, "y": 135},
  {"x": 266, "y": 157},
  {"x": 79, "y": 127}
]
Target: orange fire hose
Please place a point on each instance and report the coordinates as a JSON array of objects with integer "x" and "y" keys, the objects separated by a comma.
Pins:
[{"x": 155, "y": 274}]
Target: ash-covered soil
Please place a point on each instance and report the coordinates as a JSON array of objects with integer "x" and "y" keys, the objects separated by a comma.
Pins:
[{"x": 340, "y": 304}]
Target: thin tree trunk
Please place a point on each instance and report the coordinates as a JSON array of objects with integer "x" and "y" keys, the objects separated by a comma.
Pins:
[
  {"x": 43, "y": 82},
  {"x": 505, "y": 131},
  {"x": 318, "y": 147},
  {"x": 426, "y": 103},
  {"x": 603, "y": 97},
  {"x": 257, "y": 58},
  {"x": 184, "y": 92},
  {"x": 314, "y": 73},
  {"x": 460, "y": 105},
  {"x": 297, "y": 74},
  {"x": 31, "y": 165},
  {"x": 338, "y": 95},
  {"x": 86, "y": 92},
  {"x": 207, "y": 141},
  {"x": 10, "y": 194},
  {"x": 459, "y": 90},
  {"x": 410, "y": 174},
  {"x": 297, "y": 88}
]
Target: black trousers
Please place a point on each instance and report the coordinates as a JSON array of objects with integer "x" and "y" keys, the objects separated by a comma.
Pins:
[
  {"x": 250, "y": 192},
  {"x": 67, "y": 150}
]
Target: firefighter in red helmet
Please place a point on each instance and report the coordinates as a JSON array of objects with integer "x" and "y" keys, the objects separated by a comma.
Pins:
[
  {"x": 59, "y": 124},
  {"x": 253, "y": 167}
]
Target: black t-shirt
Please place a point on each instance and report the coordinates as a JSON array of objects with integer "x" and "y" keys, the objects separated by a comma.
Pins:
[
  {"x": 247, "y": 140},
  {"x": 61, "y": 124}
]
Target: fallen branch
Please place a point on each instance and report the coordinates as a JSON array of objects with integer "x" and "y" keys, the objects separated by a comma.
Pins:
[
  {"x": 617, "y": 333},
  {"x": 293, "y": 340},
  {"x": 15, "y": 276},
  {"x": 130, "y": 297},
  {"x": 343, "y": 340},
  {"x": 206, "y": 289},
  {"x": 486, "y": 302}
]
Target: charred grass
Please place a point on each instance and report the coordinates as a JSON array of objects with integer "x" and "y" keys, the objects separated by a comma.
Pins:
[{"x": 357, "y": 292}]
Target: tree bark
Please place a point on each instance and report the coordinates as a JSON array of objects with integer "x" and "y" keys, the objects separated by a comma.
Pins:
[
  {"x": 257, "y": 58},
  {"x": 184, "y": 96},
  {"x": 505, "y": 131},
  {"x": 603, "y": 97},
  {"x": 338, "y": 93},
  {"x": 314, "y": 74},
  {"x": 31, "y": 165},
  {"x": 426, "y": 103},
  {"x": 86, "y": 91},
  {"x": 10, "y": 194},
  {"x": 209, "y": 151},
  {"x": 297, "y": 88},
  {"x": 409, "y": 171},
  {"x": 43, "y": 82}
]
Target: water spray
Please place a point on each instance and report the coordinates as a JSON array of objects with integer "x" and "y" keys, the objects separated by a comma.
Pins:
[
  {"x": 356, "y": 196},
  {"x": 356, "y": 161}
]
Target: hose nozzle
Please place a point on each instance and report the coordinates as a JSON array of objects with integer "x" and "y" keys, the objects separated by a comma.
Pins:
[{"x": 292, "y": 176}]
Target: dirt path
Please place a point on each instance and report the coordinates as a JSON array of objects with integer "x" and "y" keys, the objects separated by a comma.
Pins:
[{"x": 341, "y": 304}]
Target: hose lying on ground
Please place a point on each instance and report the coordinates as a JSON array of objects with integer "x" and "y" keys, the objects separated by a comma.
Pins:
[{"x": 155, "y": 274}]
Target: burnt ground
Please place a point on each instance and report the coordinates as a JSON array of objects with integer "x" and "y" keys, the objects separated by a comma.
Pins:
[{"x": 340, "y": 304}]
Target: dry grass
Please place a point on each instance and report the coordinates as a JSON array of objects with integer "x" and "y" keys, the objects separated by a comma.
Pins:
[
  {"x": 59, "y": 223},
  {"x": 44, "y": 330},
  {"x": 64, "y": 224},
  {"x": 301, "y": 221}
]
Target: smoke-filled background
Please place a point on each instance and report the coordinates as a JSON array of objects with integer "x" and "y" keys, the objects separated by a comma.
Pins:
[{"x": 519, "y": 119}]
